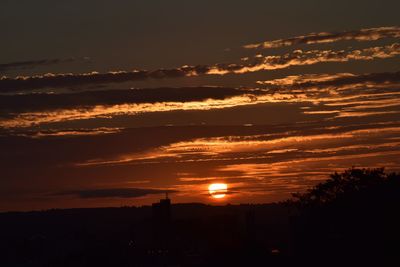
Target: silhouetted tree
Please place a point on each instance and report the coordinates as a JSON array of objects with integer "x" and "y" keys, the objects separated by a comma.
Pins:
[
  {"x": 354, "y": 215},
  {"x": 351, "y": 185}
]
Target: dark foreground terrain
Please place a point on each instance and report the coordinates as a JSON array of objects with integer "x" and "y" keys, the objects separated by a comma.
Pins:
[
  {"x": 192, "y": 234},
  {"x": 350, "y": 220}
]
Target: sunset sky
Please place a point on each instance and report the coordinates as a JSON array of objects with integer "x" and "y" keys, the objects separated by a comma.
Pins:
[{"x": 110, "y": 103}]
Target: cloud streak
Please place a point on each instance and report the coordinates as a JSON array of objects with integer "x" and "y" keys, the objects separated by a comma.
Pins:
[
  {"x": 337, "y": 95},
  {"x": 258, "y": 63},
  {"x": 370, "y": 34},
  {"x": 75, "y": 80},
  {"x": 27, "y": 119},
  {"x": 311, "y": 57},
  {"x": 269, "y": 147},
  {"x": 115, "y": 192},
  {"x": 5, "y": 67},
  {"x": 339, "y": 82},
  {"x": 47, "y": 101}
]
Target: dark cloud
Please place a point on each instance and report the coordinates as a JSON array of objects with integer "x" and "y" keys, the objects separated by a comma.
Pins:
[
  {"x": 370, "y": 34},
  {"x": 73, "y": 80},
  {"x": 5, "y": 67},
  {"x": 115, "y": 192}
]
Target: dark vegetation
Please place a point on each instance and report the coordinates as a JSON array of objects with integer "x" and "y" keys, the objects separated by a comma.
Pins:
[
  {"x": 349, "y": 220},
  {"x": 352, "y": 218}
]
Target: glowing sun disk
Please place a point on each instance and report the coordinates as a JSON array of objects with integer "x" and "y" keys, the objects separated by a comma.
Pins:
[{"x": 218, "y": 190}]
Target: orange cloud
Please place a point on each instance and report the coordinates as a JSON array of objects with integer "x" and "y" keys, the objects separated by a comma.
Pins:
[{"x": 370, "y": 34}]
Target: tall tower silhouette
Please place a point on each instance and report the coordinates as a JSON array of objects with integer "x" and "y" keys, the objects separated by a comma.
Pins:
[{"x": 162, "y": 221}]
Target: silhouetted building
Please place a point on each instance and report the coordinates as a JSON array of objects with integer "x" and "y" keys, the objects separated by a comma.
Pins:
[
  {"x": 162, "y": 211},
  {"x": 162, "y": 222}
]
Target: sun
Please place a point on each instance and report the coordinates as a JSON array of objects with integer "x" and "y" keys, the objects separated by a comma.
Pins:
[{"x": 218, "y": 190}]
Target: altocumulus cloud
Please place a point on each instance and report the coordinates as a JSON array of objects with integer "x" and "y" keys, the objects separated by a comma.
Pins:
[
  {"x": 370, "y": 34},
  {"x": 311, "y": 57},
  {"x": 258, "y": 63}
]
